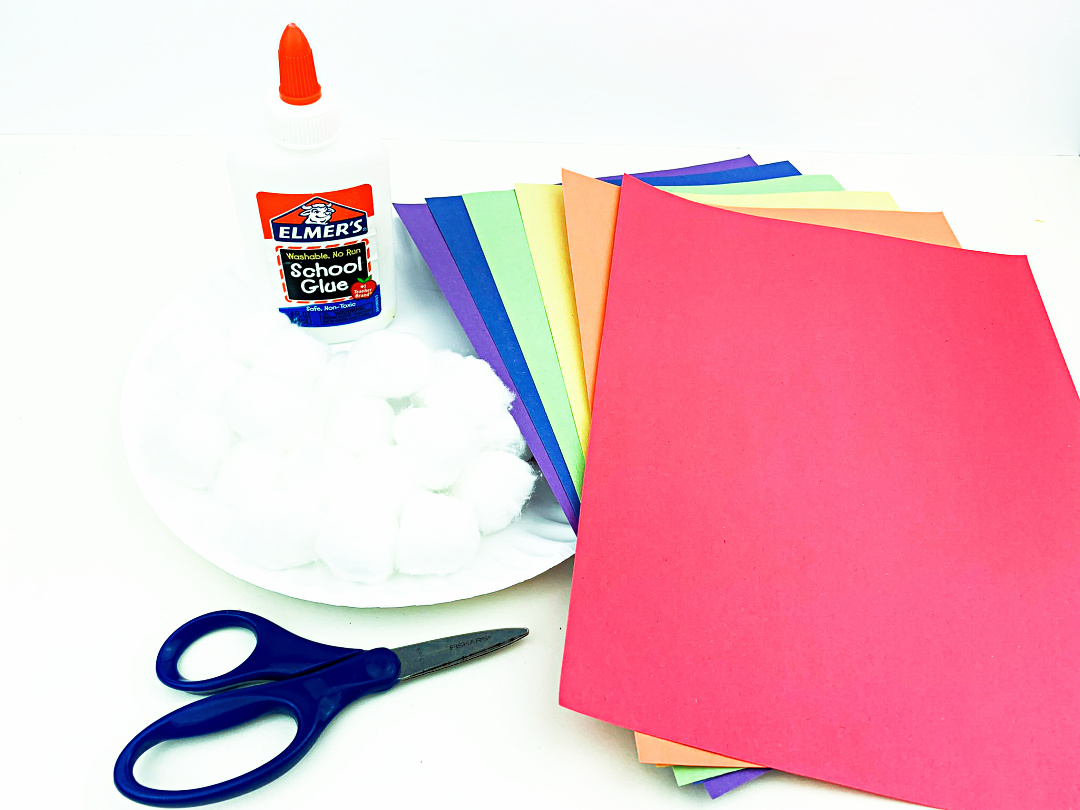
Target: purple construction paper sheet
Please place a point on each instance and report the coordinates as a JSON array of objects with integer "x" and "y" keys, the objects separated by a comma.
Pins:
[
  {"x": 718, "y": 166},
  {"x": 727, "y": 782},
  {"x": 429, "y": 240}
]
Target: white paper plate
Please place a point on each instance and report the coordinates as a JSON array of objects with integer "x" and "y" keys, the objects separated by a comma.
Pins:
[{"x": 536, "y": 542}]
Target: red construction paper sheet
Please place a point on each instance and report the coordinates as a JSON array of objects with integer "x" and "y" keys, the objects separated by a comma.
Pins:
[
  {"x": 920, "y": 226},
  {"x": 846, "y": 468}
]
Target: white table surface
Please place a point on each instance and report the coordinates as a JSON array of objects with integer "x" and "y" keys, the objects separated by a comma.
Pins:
[{"x": 97, "y": 233}]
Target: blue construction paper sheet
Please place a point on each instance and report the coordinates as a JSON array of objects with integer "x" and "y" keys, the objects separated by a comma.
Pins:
[
  {"x": 453, "y": 220},
  {"x": 766, "y": 171}
]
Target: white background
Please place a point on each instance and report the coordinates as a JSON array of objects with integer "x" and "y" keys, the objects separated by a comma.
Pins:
[
  {"x": 98, "y": 230},
  {"x": 91, "y": 581},
  {"x": 959, "y": 76}
]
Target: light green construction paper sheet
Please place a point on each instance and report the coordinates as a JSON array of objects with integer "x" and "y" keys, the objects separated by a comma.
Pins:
[
  {"x": 497, "y": 221},
  {"x": 868, "y": 200},
  {"x": 774, "y": 185},
  {"x": 542, "y": 213},
  {"x": 689, "y": 774}
]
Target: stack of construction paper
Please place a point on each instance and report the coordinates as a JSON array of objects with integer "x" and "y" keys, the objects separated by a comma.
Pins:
[
  {"x": 835, "y": 450},
  {"x": 503, "y": 260}
]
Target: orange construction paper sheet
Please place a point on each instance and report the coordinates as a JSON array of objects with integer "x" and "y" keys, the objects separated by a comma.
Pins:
[
  {"x": 861, "y": 456},
  {"x": 592, "y": 207}
]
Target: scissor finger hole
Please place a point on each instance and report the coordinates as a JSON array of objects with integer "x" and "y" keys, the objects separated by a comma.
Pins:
[
  {"x": 202, "y": 761},
  {"x": 216, "y": 653}
]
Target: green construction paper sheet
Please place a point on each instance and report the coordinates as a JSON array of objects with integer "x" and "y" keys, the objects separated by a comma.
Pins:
[
  {"x": 868, "y": 200},
  {"x": 689, "y": 774},
  {"x": 497, "y": 221},
  {"x": 774, "y": 185},
  {"x": 542, "y": 213}
]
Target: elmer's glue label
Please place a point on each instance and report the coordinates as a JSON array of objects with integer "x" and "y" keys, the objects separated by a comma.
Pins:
[{"x": 314, "y": 207}]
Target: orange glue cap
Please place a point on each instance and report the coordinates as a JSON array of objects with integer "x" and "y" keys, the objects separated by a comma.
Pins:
[{"x": 299, "y": 84}]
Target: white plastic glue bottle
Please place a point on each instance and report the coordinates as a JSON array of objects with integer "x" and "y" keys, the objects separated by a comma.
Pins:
[{"x": 313, "y": 201}]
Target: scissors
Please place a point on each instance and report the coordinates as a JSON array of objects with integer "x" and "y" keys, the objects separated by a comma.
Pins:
[{"x": 284, "y": 674}]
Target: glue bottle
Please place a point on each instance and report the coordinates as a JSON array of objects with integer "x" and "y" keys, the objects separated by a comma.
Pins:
[{"x": 313, "y": 201}]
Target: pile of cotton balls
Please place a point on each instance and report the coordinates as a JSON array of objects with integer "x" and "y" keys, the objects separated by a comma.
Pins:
[{"x": 384, "y": 457}]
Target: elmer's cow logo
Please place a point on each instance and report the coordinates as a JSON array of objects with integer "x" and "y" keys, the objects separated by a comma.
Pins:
[
  {"x": 319, "y": 220},
  {"x": 317, "y": 213}
]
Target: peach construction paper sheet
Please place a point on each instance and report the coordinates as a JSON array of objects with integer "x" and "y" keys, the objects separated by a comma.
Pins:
[
  {"x": 654, "y": 751},
  {"x": 920, "y": 226},
  {"x": 542, "y": 213}
]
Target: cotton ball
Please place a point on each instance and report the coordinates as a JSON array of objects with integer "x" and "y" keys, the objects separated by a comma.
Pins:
[
  {"x": 467, "y": 384},
  {"x": 384, "y": 473},
  {"x": 292, "y": 353},
  {"x": 496, "y": 485},
  {"x": 445, "y": 363},
  {"x": 501, "y": 432},
  {"x": 358, "y": 538},
  {"x": 253, "y": 330},
  {"x": 181, "y": 355},
  {"x": 276, "y": 531},
  {"x": 436, "y": 442},
  {"x": 225, "y": 294},
  {"x": 334, "y": 374},
  {"x": 266, "y": 407},
  {"x": 311, "y": 472},
  {"x": 209, "y": 383},
  {"x": 357, "y": 422},
  {"x": 248, "y": 468},
  {"x": 438, "y": 534},
  {"x": 342, "y": 477},
  {"x": 390, "y": 364},
  {"x": 312, "y": 426},
  {"x": 189, "y": 445}
]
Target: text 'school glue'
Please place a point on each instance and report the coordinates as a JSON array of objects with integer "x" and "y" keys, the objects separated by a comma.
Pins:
[{"x": 314, "y": 207}]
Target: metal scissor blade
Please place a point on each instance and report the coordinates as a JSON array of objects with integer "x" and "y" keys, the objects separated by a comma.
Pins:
[{"x": 428, "y": 656}]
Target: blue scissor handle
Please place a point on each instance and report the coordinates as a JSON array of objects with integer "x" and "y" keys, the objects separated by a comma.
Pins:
[
  {"x": 312, "y": 700},
  {"x": 278, "y": 653}
]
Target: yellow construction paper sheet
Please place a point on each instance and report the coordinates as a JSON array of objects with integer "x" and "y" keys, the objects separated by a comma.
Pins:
[
  {"x": 867, "y": 200},
  {"x": 542, "y": 212}
]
